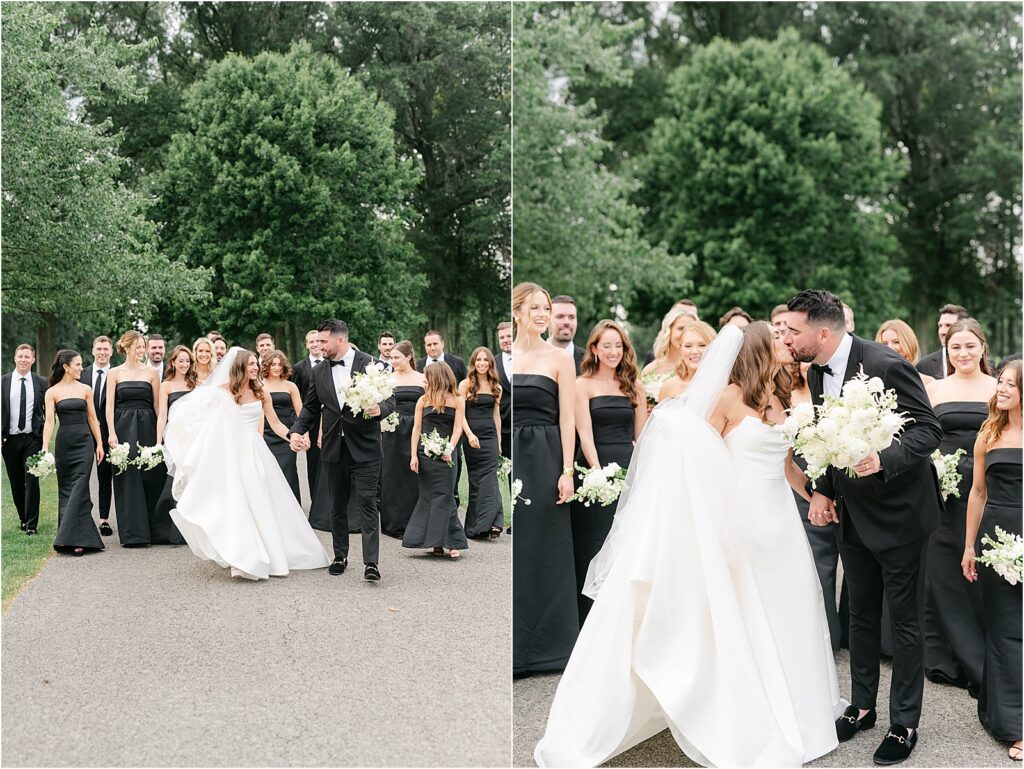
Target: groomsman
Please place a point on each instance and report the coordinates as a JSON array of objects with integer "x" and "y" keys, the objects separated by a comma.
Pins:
[
  {"x": 934, "y": 364},
  {"x": 778, "y": 316},
  {"x": 22, "y": 411},
  {"x": 563, "y": 319},
  {"x": 220, "y": 346},
  {"x": 851, "y": 324},
  {"x": 156, "y": 348},
  {"x": 264, "y": 345},
  {"x": 95, "y": 375},
  {"x": 385, "y": 344},
  {"x": 737, "y": 316},
  {"x": 302, "y": 375},
  {"x": 504, "y": 361},
  {"x": 433, "y": 343}
]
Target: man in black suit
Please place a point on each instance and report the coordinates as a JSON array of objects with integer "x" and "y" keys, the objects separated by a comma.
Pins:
[
  {"x": 386, "y": 342},
  {"x": 885, "y": 516},
  {"x": 563, "y": 321},
  {"x": 350, "y": 450},
  {"x": 934, "y": 364},
  {"x": 95, "y": 375},
  {"x": 23, "y": 410},
  {"x": 302, "y": 375},
  {"x": 433, "y": 343},
  {"x": 504, "y": 360}
]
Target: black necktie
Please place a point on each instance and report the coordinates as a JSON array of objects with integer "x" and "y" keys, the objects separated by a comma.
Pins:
[
  {"x": 97, "y": 395},
  {"x": 21, "y": 407},
  {"x": 338, "y": 362},
  {"x": 318, "y": 362},
  {"x": 823, "y": 370}
]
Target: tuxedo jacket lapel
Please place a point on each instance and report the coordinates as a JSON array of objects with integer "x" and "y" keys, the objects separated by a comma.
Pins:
[
  {"x": 855, "y": 359},
  {"x": 327, "y": 380}
]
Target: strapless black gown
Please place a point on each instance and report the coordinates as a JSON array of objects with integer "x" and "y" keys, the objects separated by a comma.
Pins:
[
  {"x": 136, "y": 492},
  {"x": 75, "y": 453},
  {"x": 611, "y": 418},
  {"x": 952, "y": 618},
  {"x": 999, "y": 703},
  {"x": 435, "y": 520},
  {"x": 484, "y": 508},
  {"x": 545, "y": 616},
  {"x": 164, "y": 532},
  {"x": 400, "y": 486},
  {"x": 280, "y": 448}
]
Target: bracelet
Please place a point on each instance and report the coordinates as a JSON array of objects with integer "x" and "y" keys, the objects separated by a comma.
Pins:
[{"x": 567, "y": 471}]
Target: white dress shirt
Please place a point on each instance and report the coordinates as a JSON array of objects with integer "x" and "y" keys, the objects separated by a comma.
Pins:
[
  {"x": 96, "y": 373},
  {"x": 313, "y": 361},
  {"x": 832, "y": 384},
  {"x": 30, "y": 401},
  {"x": 343, "y": 372},
  {"x": 506, "y": 359},
  {"x": 439, "y": 359}
]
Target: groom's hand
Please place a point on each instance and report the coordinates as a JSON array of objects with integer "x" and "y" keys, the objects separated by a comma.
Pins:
[
  {"x": 870, "y": 465},
  {"x": 822, "y": 510}
]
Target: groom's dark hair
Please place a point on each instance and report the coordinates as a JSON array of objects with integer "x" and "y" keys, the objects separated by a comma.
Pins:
[
  {"x": 335, "y": 327},
  {"x": 823, "y": 308}
]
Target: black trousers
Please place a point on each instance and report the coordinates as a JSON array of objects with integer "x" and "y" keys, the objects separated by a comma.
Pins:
[
  {"x": 347, "y": 478},
  {"x": 313, "y": 458},
  {"x": 24, "y": 485},
  {"x": 895, "y": 574}
]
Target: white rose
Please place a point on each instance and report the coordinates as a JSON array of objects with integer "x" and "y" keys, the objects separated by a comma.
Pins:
[
  {"x": 876, "y": 385},
  {"x": 828, "y": 429}
]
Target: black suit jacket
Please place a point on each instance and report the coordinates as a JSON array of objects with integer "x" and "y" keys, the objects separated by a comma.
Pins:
[
  {"x": 931, "y": 365},
  {"x": 38, "y": 403},
  {"x": 455, "y": 363},
  {"x": 578, "y": 353},
  {"x": 505, "y": 406},
  {"x": 901, "y": 503},
  {"x": 86, "y": 379},
  {"x": 362, "y": 436}
]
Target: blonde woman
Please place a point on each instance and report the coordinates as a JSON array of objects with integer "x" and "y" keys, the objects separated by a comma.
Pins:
[
  {"x": 900, "y": 337},
  {"x": 696, "y": 337},
  {"x": 668, "y": 346},
  {"x": 206, "y": 361}
]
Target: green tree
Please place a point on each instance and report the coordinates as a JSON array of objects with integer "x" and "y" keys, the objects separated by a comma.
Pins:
[
  {"x": 769, "y": 167},
  {"x": 76, "y": 242},
  {"x": 286, "y": 185}
]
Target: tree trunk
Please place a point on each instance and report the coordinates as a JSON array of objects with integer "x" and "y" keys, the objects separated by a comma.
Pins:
[{"x": 46, "y": 345}]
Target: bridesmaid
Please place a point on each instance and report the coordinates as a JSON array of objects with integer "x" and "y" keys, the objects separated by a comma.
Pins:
[
  {"x": 900, "y": 337},
  {"x": 132, "y": 393},
  {"x": 952, "y": 617},
  {"x": 179, "y": 380},
  {"x": 399, "y": 488},
  {"x": 485, "y": 514},
  {"x": 203, "y": 353},
  {"x": 668, "y": 345},
  {"x": 545, "y": 618},
  {"x": 78, "y": 446},
  {"x": 696, "y": 337},
  {"x": 275, "y": 370},
  {"x": 435, "y": 521},
  {"x": 996, "y": 501},
  {"x": 611, "y": 410}
]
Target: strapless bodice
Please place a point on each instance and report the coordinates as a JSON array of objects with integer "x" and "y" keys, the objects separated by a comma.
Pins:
[
  {"x": 72, "y": 411},
  {"x": 251, "y": 414},
  {"x": 758, "y": 450}
]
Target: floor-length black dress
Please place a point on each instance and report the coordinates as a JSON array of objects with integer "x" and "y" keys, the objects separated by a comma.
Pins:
[
  {"x": 435, "y": 520},
  {"x": 484, "y": 509},
  {"x": 952, "y": 618},
  {"x": 163, "y": 530},
  {"x": 136, "y": 492},
  {"x": 545, "y": 617},
  {"x": 400, "y": 486},
  {"x": 75, "y": 452},
  {"x": 279, "y": 447},
  {"x": 999, "y": 704},
  {"x": 611, "y": 419}
]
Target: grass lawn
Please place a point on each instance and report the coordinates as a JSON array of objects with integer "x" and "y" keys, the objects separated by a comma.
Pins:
[{"x": 506, "y": 499}]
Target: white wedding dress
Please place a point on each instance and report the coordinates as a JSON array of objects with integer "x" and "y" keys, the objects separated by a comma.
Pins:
[
  {"x": 708, "y": 618},
  {"x": 233, "y": 504}
]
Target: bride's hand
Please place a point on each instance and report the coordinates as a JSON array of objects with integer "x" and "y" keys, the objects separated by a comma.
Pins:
[{"x": 821, "y": 511}]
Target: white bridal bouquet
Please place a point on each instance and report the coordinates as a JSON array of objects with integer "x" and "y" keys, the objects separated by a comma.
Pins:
[
  {"x": 504, "y": 468},
  {"x": 843, "y": 431},
  {"x": 949, "y": 476},
  {"x": 365, "y": 389},
  {"x": 435, "y": 446},
  {"x": 42, "y": 464},
  {"x": 601, "y": 485},
  {"x": 118, "y": 457},
  {"x": 652, "y": 382},
  {"x": 1005, "y": 555},
  {"x": 389, "y": 423},
  {"x": 517, "y": 489},
  {"x": 149, "y": 457}
]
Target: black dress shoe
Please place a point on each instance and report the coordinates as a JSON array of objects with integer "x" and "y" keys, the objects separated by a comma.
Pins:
[
  {"x": 897, "y": 745},
  {"x": 105, "y": 529},
  {"x": 22, "y": 524},
  {"x": 30, "y": 532},
  {"x": 338, "y": 567},
  {"x": 848, "y": 724},
  {"x": 371, "y": 572}
]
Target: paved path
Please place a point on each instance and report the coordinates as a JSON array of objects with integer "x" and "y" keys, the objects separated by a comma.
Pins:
[
  {"x": 950, "y": 732},
  {"x": 151, "y": 657}
]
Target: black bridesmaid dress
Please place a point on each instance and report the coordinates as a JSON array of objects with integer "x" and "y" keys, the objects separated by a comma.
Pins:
[
  {"x": 400, "y": 486},
  {"x": 611, "y": 418},
  {"x": 435, "y": 520},
  {"x": 135, "y": 492},
  {"x": 999, "y": 704},
  {"x": 75, "y": 453},
  {"x": 952, "y": 617},
  {"x": 484, "y": 510},
  {"x": 545, "y": 617},
  {"x": 279, "y": 447},
  {"x": 162, "y": 528}
]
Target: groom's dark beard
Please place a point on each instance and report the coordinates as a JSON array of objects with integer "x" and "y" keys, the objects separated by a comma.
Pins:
[{"x": 805, "y": 356}]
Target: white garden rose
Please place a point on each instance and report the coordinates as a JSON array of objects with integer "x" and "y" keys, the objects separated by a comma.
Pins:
[{"x": 876, "y": 385}]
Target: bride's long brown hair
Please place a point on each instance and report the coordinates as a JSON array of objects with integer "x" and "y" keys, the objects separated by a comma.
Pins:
[
  {"x": 756, "y": 371},
  {"x": 238, "y": 377}
]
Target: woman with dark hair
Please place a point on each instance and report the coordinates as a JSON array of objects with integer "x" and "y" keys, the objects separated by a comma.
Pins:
[
  {"x": 995, "y": 500},
  {"x": 179, "y": 380},
  {"x": 481, "y": 390},
  {"x": 400, "y": 486},
  {"x": 275, "y": 370},
  {"x": 611, "y": 410},
  {"x": 233, "y": 504},
  {"x": 78, "y": 447}
]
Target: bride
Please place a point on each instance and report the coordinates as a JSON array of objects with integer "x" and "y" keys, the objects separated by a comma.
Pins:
[
  {"x": 709, "y": 618},
  {"x": 233, "y": 504}
]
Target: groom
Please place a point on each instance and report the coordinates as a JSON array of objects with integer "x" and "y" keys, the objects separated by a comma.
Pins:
[
  {"x": 885, "y": 515},
  {"x": 350, "y": 449}
]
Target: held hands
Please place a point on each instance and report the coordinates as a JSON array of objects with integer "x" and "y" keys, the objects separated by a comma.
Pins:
[
  {"x": 565, "y": 489},
  {"x": 870, "y": 465},
  {"x": 968, "y": 566},
  {"x": 373, "y": 411},
  {"x": 299, "y": 442},
  {"x": 822, "y": 511}
]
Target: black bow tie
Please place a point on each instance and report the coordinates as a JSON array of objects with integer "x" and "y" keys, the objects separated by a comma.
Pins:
[
  {"x": 823, "y": 370},
  {"x": 337, "y": 362}
]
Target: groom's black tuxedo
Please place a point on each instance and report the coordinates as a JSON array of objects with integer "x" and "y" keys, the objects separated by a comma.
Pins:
[
  {"x": 350, "y": 452},
  {"x": 884, "y": 521}
]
